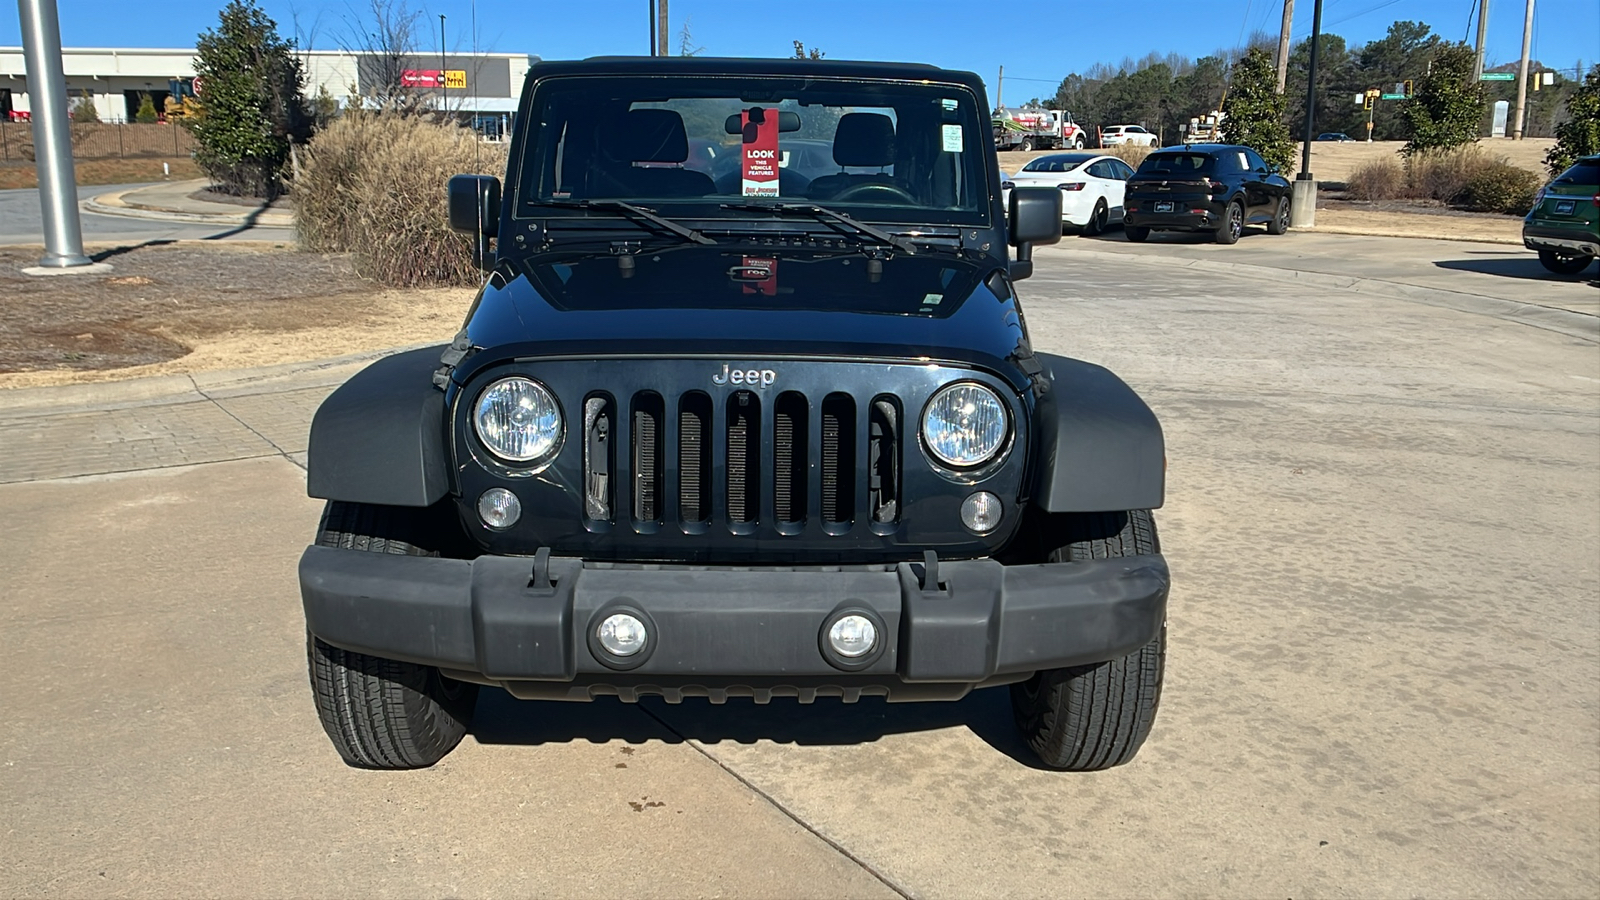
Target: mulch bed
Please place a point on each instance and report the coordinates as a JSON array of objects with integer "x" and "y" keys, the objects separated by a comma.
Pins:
[{"x": 118, "y": 319}]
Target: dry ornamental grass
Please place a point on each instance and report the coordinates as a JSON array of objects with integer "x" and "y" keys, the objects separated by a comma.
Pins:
[{"x": 374, "y": 185}]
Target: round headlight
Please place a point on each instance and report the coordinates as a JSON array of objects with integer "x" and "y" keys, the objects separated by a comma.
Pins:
[
  {"x": 964, "y": 425},
  {"x": 518, "y": 420}
]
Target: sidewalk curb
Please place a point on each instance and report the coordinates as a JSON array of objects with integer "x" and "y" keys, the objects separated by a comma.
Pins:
[
  {"x": 117, "y": 204},
  {"x": 162, "y": 390},
  {"x": 1432, "y": 236},
  {"x": 1549, "y": 318}
]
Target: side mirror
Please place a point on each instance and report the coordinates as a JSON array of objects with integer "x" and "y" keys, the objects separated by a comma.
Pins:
[
  {"x": 474, "y": 204},
  {"x": 1034, "y": 218}
]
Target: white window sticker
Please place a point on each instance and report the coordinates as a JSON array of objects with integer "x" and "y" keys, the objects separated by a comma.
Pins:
[
  {"x": 952, "y": 138},
  {"x": 931, "y": 299}
]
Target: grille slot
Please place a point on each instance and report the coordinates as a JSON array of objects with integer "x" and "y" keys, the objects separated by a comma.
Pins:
[
  {"x": 694, "y": 458},
  {"x": 838, "y": 463},
  {"x": 789, "y": 457},
  {"x": 597, "y": 464},
  {"x": 744, "y": 457},
  {"x": 647, "y": 416},
  {"x": 883, "y": 459}
]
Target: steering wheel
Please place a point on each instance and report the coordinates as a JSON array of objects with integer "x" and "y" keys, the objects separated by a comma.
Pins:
[{"x": 852, "y": 193}]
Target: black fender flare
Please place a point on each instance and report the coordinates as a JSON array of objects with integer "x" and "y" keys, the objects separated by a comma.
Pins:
[
  {"x": 380, "y": 437},
  {"x": 1100, "y": 446}
]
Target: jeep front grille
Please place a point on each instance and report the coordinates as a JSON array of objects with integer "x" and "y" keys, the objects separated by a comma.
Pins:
[{"x": 775, "y": 467}]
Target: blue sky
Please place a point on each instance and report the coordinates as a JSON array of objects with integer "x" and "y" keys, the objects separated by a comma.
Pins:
[{"x": 1038, "y": 41}]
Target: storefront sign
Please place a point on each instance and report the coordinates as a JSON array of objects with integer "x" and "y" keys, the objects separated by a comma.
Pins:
[{"x": 432, "y": 78}]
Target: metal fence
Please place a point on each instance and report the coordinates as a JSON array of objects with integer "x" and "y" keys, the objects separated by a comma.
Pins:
[{"x": 103, "y": 141}]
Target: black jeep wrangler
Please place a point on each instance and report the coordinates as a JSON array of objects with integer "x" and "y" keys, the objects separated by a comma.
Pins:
[{"x": 721, "y": 424}]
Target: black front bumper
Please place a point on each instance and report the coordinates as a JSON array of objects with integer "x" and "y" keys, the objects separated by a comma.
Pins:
[{"x": 722, "y": 631}]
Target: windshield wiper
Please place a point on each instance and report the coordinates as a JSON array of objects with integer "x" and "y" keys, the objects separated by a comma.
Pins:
[
  {"x": 824, "y": 214},
  {"x": 637, "y": 212}
]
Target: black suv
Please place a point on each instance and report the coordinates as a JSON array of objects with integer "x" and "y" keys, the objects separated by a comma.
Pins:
[
  {"x": 766, "y": 434},
  {"x": 1209, "y": 188}
]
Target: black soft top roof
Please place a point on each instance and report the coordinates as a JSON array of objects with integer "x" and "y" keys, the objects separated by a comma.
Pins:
[{"x": 754, "y": 66}]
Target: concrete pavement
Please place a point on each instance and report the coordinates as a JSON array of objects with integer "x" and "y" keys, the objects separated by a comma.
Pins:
[
  {"x": 20, "y": 222},
  {"x": 1384, "y": 675}
]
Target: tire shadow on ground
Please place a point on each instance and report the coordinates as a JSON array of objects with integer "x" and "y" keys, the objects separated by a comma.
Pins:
[{"x": 1525, "y": 267}]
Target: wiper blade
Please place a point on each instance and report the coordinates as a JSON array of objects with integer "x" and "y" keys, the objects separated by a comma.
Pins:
[
  {"x": 825, "y": 214},
  {"x": 638, "y": 212}
]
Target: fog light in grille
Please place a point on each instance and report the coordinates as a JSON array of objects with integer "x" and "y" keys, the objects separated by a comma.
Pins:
[
  {"x": 499, "y": 508},
  {"x": 981, "y": 512},
  {"x": 853, "y": 636},
  {"x": 622, "y": 634}
]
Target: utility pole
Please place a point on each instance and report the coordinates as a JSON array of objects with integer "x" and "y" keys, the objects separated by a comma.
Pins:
[
  {"x": 1303, "y": 193},
  {"x": 1283, "y": 44},
  {"x": 441, "y": 62},
  {"x": 661, "y": 28},
  {"x": 1483, "y": 36},
  {"x": 52, "y": 142},
  {"x": 1522, "y": 74},
  {"x": 1000, "y": 89}
]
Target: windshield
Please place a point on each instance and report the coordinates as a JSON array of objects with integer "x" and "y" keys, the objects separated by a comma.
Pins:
[
  {"x": 1176, "y": 164},
  {"x": 884, "y": 151}
]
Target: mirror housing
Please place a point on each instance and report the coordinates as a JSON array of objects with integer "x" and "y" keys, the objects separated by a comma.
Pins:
[
  {"x": 1034, "y": 217},
  {"x": 474, "y": 204}
]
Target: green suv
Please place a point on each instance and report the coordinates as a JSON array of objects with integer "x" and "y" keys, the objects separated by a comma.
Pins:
[{"x": 1564, "y": 224}]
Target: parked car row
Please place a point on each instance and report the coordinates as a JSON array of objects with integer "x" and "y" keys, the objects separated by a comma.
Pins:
[{"x": 1208, "y": 188}]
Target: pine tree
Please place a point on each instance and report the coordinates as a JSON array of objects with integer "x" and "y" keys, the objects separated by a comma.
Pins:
[
  {"x": 252, "y": 102},
  {"x": 1579, "y": 135},
  {"x": 146, "y": 113},
  {"x": 83, "y": 110},
  {"x": 1446, "y": 105},
  {"x": 1253, "y": 113}
]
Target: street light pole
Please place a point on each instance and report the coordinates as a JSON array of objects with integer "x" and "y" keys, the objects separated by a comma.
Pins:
[
  {"x": 52, "y": 141},
  {"x": 1303, "y": 196},
  {"x": 441, "y": 62}
]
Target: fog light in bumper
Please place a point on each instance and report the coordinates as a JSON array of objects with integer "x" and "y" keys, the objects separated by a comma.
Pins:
[
  {"x": 981, "y": 512},
  {"x": 499, "y": 508},
  {"x": 853, "y": 636},
  {"x": 622, "y": 635}
]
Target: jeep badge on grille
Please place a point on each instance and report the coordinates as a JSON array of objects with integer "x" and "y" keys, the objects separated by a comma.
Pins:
[{"x": 730, "y": 375}]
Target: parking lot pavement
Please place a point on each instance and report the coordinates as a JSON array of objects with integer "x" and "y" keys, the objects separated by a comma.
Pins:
[
  {"x": 20, "y": 223},
  {"x": 1383, "y": 520},
  {"x": 1417, "y": 268}
]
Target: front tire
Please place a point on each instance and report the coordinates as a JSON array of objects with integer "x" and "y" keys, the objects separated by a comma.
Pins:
[
  {"x": 383, "y": 713},
  {"x": 1232, "y": 224},
  {"x": 1136, "y": 233},
  {"x": 1027, "y": 145},
  {"x": 1087, "y": 718},
  {"x": 1564, "y": 265},
  {"x": 1077, "y": 142}
]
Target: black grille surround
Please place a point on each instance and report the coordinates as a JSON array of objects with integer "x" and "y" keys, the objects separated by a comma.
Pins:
[{"x": 741, "y": 462}]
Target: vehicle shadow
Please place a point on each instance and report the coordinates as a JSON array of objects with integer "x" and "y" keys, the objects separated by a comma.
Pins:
[
  {"x": 1525, "y": 267},
  {"x": 502, "y": 719}
]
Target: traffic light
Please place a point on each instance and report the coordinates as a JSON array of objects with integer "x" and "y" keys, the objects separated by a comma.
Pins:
[
  {"x": 1370, "y": 98},
  {"x": 1407, "y": 91}
]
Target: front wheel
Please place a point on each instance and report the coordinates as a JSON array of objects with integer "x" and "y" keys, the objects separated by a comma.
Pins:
[
  {"x": 1077, "y": 142},
  {"x": 383, "y": 713},
  {"x": 1136, "y": 233},
  {"x": 1086, "y": 718},
  {"x": 1562, "y": 264},
  {"x": 1280, "y": 218}
]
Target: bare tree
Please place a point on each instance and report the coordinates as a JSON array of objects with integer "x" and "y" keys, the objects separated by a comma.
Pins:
[{"x": 386, "y": 37}]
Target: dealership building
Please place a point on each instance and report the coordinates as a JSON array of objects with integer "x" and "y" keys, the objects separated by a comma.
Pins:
[{"x": 484, "y": 86}]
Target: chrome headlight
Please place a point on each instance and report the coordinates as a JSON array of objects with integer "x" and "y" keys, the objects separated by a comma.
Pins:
[
  {"x": 965, "y": 425},
  {"x": 518, "y": 420}
]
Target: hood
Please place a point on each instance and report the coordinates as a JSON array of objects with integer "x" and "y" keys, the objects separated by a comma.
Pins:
[{"x": 712, "y": 300}]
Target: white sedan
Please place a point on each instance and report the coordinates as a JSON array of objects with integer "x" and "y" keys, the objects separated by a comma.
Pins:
[{"x": 1091, "y": 186}]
